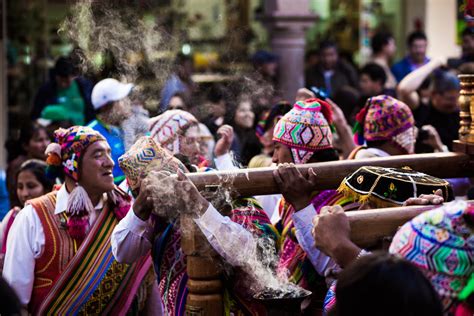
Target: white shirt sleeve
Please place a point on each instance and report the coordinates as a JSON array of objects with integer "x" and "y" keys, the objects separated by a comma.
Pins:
[
  {"x": 276, "y": 214},
  {"x": 131, "y": 238},
  {"x": 225, "y": 162},
  {"x": 303, "y": 221},
  {"x": 25, "y": 244},
  {"x": 269, "y": 203},
  {"x": 232, "y": 241}
]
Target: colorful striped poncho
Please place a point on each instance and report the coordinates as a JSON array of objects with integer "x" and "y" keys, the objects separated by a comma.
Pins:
[{"x": 293, "y": 259}]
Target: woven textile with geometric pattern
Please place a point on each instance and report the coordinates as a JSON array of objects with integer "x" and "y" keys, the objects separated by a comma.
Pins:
[
  {"x": 70, "y": 145},
  {"x": 166, "y": 128},
  {"x": 305, "y": 129},
  {"x": 146, "y": 155},
  {"x": 441, "y": 243},
  {"x": 383, "y": 118}
]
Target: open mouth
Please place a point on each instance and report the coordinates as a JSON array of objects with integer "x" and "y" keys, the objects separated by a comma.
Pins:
[{"x": 107, "y": 173}]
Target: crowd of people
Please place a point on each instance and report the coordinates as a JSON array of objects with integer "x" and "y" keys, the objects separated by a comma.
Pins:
[{"x": 98, "y": 189}]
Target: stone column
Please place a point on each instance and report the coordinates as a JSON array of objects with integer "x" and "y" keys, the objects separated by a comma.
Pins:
[
  {"x": 442, "y": 35},
  {"x": 429, "y": 13},
  {"x": 287, "y": 22}
]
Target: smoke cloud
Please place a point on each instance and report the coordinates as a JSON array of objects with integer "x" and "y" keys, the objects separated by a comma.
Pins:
[{"x": 117, "y": 37}]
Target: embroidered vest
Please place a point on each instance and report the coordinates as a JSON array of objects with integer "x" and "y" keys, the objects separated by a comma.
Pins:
[
  {"x": 85, "y": 279},
  {"x": 58, "y": 250}
]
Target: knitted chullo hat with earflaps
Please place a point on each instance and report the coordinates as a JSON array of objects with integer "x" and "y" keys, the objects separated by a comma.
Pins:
[
  {"x": 64, "y": 156},
  {"x": 441, "y": 243},
  {"x": 384, "y": 118},
  {"x": 305, "y": 129}
]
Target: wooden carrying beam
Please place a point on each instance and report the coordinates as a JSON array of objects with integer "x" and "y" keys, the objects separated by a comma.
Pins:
[
  {"x": 248, "y": 182},
  {"x": 370, "y": 226}
]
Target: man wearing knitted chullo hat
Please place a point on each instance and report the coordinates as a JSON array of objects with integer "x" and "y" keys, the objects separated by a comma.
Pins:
[
  {"x": 53, "y": 235},
  {"x": 302, "y": 136},
  {"x": 385, "y": 127}
]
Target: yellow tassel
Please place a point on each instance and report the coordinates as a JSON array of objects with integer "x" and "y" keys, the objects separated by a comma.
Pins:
[
  {"x": 363, "y": 198},
  {"x": 343, "y": 188},
  {"x": 348, "y": 192}
]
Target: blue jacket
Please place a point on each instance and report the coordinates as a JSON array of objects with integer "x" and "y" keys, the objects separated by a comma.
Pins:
[
  {"x": 114, "y": 136},
  {"x": 403, "y": 68},
  {"x": 4, "y": 198}
]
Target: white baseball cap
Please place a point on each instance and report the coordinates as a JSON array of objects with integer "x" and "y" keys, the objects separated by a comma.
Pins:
[{"x": 109, "y": 90}]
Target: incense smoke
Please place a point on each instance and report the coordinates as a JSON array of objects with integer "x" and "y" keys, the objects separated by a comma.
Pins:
[
  {"x": 118, "y": 42},
  {"x": 119, "y": 38},
  {"x": 255, "y": 256}
]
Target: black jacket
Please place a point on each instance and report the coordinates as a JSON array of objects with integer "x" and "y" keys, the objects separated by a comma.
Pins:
[{"x": 344, "y": 75}]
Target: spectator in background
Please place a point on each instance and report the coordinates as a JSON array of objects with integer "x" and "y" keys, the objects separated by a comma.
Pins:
[
  {"x": 206, "y": 142},
  {"x": 372, "y": 79},
  {"x": 468, "y": 44},
  {"x": 263, "y": 81},
  {"x": 54, "y": 117},
  {"x": 110, "y": 99},
  {"x": 265, "y": 125},
  {"x": 31, "y": 182},
  {"x": 439, "y": 118},
  {"x": 179, "y": 81},
  {"x": 32, "y": 144},
  {"x": 417, "y": 44},
  {"x": 348, "y": 99},
  {"x": 178, "y": 102},
  {"x": 383, "y": 50},
  {"x": 311, "y": 59},
  {"x": 331, "y": 73},
  {"x": 467, "y": 49},
  {"x": 215, "y": 108},
  {"x": 246, "y": 144},
  {"x": 65, "y": 90},
  {"x": 443, "y": 111},
  {"x": 265, "y": 65}
]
